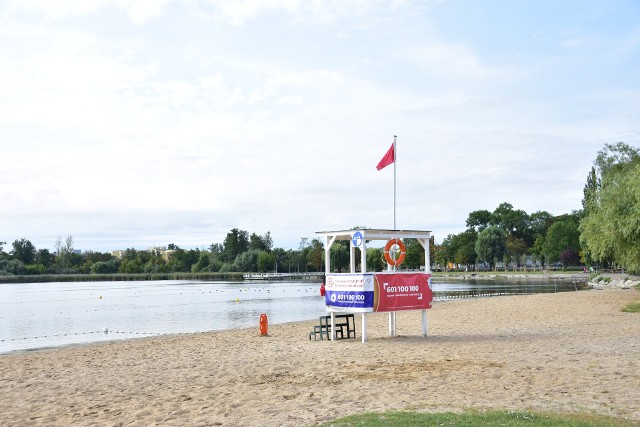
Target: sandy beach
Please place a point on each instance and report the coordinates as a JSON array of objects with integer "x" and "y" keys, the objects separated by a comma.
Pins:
[{"x": 566, "y": 352}]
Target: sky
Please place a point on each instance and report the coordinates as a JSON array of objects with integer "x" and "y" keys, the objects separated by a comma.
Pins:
[{"x": 134, "y": 123}]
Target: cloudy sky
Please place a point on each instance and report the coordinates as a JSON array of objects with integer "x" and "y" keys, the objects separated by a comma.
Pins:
[{"x": 125, "y": 123}]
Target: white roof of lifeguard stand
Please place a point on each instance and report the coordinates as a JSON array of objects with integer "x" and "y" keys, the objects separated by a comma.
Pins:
[
  {"x": 373, "y": 234},
  {"x": 378, "y": 234}
]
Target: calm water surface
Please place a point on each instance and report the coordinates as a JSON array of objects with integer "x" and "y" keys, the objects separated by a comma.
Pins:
[{"x": 37, "y": 315}]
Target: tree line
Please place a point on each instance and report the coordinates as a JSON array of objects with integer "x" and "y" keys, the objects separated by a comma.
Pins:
[
  {"x": 239, "y": 252},
  {"x": 604, "y": 232}
]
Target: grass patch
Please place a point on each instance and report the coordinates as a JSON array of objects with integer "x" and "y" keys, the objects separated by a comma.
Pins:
[
  {"x": 476, "y": 418},
  {"x": 632, "y": 307}
]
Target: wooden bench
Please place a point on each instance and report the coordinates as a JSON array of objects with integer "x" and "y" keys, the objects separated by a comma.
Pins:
[{"x": 343, "y": 322}]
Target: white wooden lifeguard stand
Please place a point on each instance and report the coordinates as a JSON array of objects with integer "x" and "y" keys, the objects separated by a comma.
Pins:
[{"x": 358, "y": 240}]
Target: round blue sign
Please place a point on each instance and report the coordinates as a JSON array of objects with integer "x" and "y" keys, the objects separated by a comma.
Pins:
[{"x": 356, "y": 239}]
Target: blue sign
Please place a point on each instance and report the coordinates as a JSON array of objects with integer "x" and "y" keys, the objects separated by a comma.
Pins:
[
  {"x": 356, "y": 301},
  {"x": 351, "y": 293},
  {"x": 356, "y": 239}
]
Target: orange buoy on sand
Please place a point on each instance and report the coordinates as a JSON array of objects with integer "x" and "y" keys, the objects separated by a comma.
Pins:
[{"x": 264, "y": 324}]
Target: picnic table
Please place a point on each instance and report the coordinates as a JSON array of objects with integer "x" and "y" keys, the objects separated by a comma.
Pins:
[{"x": 345, "y": 327}]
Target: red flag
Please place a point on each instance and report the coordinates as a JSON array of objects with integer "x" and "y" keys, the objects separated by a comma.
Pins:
[{"x": 388, "y": 158}]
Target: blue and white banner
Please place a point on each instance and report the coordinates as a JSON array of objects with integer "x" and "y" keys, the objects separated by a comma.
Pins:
[{"x": 351, "y": 293}]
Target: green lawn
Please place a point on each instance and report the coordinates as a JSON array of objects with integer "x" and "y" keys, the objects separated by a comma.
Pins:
[
  {"x": 476, "y": 418},
  {"x": 632, "y": 307}
]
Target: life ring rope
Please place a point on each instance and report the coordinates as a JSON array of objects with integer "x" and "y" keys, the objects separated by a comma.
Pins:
[{"x": 401, "y": 249}]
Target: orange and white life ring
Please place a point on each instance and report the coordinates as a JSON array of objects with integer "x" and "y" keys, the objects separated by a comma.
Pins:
[{"x": 401, "y": 252}]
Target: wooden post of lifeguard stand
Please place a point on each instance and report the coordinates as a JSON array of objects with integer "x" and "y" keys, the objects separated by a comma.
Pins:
[{"x": 373, "y": 234}]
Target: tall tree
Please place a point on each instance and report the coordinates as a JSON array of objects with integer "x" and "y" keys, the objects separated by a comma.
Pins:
[
  {"x": 515, "y": 249},
  {"x": 64, "y": 250},
  {"x": 316, "y": 255},
  {"x": 514, "y": 221},
  {"x": 611, "y": 228},
  {"x": 415, "y": 254},
  {"x": 375, "y": 259},
  {"x": 261, "y": 243},
  {"x": 479, "y": 220},
  {"x": 24, "y": 251},
  {"x": 339, "y": 254},
  {"x": 491, "y": 245},
  {"x": 236, "y": 242},
  {"x": 266, "y": 261},
  {"x": 562, "y": 235}
]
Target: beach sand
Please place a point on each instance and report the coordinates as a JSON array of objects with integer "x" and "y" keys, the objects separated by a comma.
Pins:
[{"x": 565, "y": 352}]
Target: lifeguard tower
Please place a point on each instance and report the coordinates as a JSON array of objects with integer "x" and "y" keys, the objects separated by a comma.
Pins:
[{"x": 389, "y": 291}]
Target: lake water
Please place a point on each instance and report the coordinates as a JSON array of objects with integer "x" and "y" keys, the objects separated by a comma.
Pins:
[{"x": 38, "y": 315}]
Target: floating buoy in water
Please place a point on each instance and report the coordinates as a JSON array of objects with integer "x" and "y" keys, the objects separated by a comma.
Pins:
[
  {"x": 237, "y": 300},
  {"x": 100, "y": 297},
  {"x": 264, "y": 324},
  {"x": 105, "y": 330}
]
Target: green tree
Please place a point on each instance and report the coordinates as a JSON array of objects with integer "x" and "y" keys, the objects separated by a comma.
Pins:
[
  {"x": 339, "y": 254},
  {"x": 375, "y": 259},
  {"x": 64, "y": 250},
  {"x": 202, "y": 264},
  {"x": 611, "y": 229},
  {"x": 539, "y": 223},
  {"x": 24, "y": 251},
  {"x": 216, "y": 248},
  {"x": 12, "y": 267},
  {"x": 448, "y": 248},
  {"x": 105, "y": 267},
  {"x": 415, "y": 255},
  {"x": 615, "y": 158},
  {"x": 459, "y": 249},
  {"x": 265, "y": 262},
  {"x": 479, "y": 220},
  {"x": 491, "y": 245},
  {"x": 562, "y": 235},
  {"x": 280, "y": 258},
  {"x": 247, "y": 261},
  {"x": 465, "y": 248},
  {"x": 44, "y": 258},
  {"x": 256, "y": 243},
  {"x": 514, "y": 221},
  {"x": 181, "y": 260},
  {"x": 515, "y": 249},
  {"x": 236, "y": 242},
  {"x": 316, "y": 255}
]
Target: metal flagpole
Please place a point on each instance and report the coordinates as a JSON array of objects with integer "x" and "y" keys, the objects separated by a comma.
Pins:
[
  {"x": 395, "y": 162},
  {"x": 392, "y": 314}
]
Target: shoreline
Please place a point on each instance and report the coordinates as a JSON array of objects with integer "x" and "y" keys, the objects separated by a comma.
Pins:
[
  {"x": 239, "y": 277},
  {"x": 561, "y": 352}
]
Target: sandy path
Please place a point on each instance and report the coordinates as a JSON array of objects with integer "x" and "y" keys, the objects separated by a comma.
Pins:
[{"x": 554, "y": 352}]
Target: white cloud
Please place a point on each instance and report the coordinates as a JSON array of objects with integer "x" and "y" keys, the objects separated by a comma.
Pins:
[
  {"x": 139, "y": 11},
  {"x": 54, "y": 10}
]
